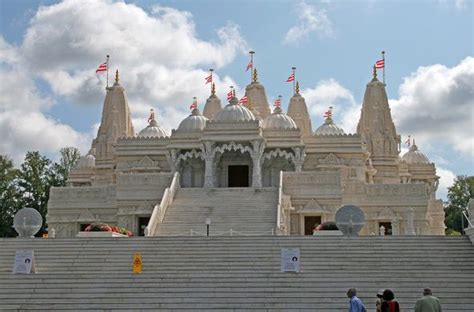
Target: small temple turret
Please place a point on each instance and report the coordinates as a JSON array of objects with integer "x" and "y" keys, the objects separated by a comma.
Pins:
[
  {"x": 255, "y": 92},
  {"x": 298, "y": 111},
  {"x": 116, "y": 122},
  {"x": 378, "y": 132},
  {"x": 213, "y": 104}
]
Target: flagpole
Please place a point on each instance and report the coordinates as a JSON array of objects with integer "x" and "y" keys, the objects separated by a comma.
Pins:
[
  {"x": 294, "y": 80},
  {"x": 383, "y": 58},
  {"x": 251, "y": 61},
  {"x": 108, "y": 57},
  {"x": 212, "y": 81}
]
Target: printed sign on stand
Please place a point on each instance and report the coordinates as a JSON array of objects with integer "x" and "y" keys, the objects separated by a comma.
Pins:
[
  {"x": 24, "y": 262},
  {"x": 290, "y": 260}
]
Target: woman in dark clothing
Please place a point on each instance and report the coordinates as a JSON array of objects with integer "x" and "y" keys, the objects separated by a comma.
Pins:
[{"x": 389, "y": 303}]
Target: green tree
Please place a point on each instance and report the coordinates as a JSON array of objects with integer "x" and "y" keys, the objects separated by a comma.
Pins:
[
  {"x": 458, "y": 197},
  {"x": 60, "y": 171},
  {"x": 10, "y": 198},
  {"x": 34, "y": 182}
]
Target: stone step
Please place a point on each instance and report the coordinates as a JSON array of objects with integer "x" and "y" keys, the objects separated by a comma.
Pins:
[
  {"x": 232, "y": 273},
  {"x": 245, "y": 210}
]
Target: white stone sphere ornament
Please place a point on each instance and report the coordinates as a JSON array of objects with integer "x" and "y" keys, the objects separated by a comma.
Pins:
[{"x": 27, "y": 222}]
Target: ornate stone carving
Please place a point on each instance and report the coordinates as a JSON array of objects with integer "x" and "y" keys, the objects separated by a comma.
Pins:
[
  {"x": 278, "y": 153},
  {"x": 256, "y": 154},
  {"x": 314, "y": 207},
  {"x": 299, "y": 158},
  {"x": 208, "y": 153},
  {"x": 386, "y": 214},
  {"x": 232, "y": 146},
  {"x": 331, "y": 159},
  {"x": 87, "y": 216},
  {"x": 171, "y": 157},
  {"x": 410, "y": 229}
]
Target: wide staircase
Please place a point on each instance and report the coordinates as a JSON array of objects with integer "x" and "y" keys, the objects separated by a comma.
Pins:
[
  {"x": 235, "y": 273},
  {"x": 232, "y": 211}
]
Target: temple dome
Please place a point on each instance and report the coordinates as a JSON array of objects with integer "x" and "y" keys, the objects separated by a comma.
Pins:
[
  {"x": 87, "y": 161},
  {"x": 234, "y": 113},
  {"x": 329, "y": 128},
  {"x": 414, "y": 156},
  {"x": 195, "y": 121},
  {"x": 279, "y": 120},
  {"x": 153, "y": 131}
]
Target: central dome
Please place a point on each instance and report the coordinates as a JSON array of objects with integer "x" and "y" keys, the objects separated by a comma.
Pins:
[
  {"x": 279, "y": 120},
  {"x": 234, "y": 113},
  {"x": 153, "y": 130},
  {"x": 195, "y": 121},
  {"x": 329, "y": 128}
]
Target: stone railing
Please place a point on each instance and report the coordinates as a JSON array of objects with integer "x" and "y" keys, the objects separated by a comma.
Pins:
[
  {"x": 280, "y": 224},
  {"x": 469, "y": 231},
  {"x": 160, "y": 210}
]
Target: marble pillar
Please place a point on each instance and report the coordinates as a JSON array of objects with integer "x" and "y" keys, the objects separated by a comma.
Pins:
[
  {"x": 410, "y": 229},
  {"x": 209, "y": 156},
  {"x": 299, "y": 158},
  {"x": 257, "y": 153}
]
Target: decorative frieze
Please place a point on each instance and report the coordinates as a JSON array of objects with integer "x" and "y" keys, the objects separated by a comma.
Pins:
[
  {"x": 143, "y": 179},
  {"x": 97, "y": 194}
]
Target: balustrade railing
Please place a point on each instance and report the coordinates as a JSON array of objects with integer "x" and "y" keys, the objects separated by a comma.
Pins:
[
  {"x": 280, "y": 204},
  {"x": 159, "y": 211},
  {"x": 468, "y": 220}
]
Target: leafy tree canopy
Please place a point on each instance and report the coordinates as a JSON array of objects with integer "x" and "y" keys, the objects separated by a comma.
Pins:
[
  {"x": 29, "y": 185},
  {"x": 458, "y": 197}
]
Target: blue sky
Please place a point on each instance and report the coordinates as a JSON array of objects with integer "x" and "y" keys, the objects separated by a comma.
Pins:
[{"x": 333, "y": 44}]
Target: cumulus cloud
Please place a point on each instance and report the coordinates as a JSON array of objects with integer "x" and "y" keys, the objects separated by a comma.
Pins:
[
  {"x": 162, "y": 60},
  {"x": 446, "y": 180},
  {"x": 22, "y": 124},
  {"x": 162, "y": 63},
  {"x": 458, "y": 4},
  {"x": 311, "y": 19},
  {"x": 331, "y": 93},
  {"x": 30, "y": 131},
  {"x": 436, "y": 104}
]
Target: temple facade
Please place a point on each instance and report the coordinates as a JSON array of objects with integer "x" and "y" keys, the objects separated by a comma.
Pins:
[{"x": 138, "y": 180}]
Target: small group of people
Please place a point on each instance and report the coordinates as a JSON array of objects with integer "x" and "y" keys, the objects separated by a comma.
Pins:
[{"x": 386, "y": 302}]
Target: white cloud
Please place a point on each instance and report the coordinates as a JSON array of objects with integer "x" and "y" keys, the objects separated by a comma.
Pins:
[
  {"x": 162, "y": 63},
  {"x": 330, "y": 93},
  {"x": 311, "y": 19},
  {"x": 446, "y": 180},
  {"x": 458, "y": 4},
  {"x": 23, "y": 125},
  {"x": 436, "y": 104},
  {"x": 161, "y": 59},
  {"x": 31, "y": 131}
]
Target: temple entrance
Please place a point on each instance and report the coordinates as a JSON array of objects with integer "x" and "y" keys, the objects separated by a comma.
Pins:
[
  {"x": 387, "y": 226},
  {"x": 238, "y": 176},
  {"x": 310, "y": 222},
  {"x": 142, "y": 224}
]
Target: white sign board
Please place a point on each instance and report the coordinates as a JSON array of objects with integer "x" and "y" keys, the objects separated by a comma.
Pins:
[
  {"x": 290, "y": 259},
  {"x": 24, "y": 262}
]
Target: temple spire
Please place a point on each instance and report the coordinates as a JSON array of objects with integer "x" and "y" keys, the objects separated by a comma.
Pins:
[
  {"x": 297, "y": 91},
  {"x": 250, "y": 65},
  {"x": 117, "y": 78},
  {"x": 213, "y": 89},
  {"x": 378, "y": 132},
  {"x": 255, "y": 77}
]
